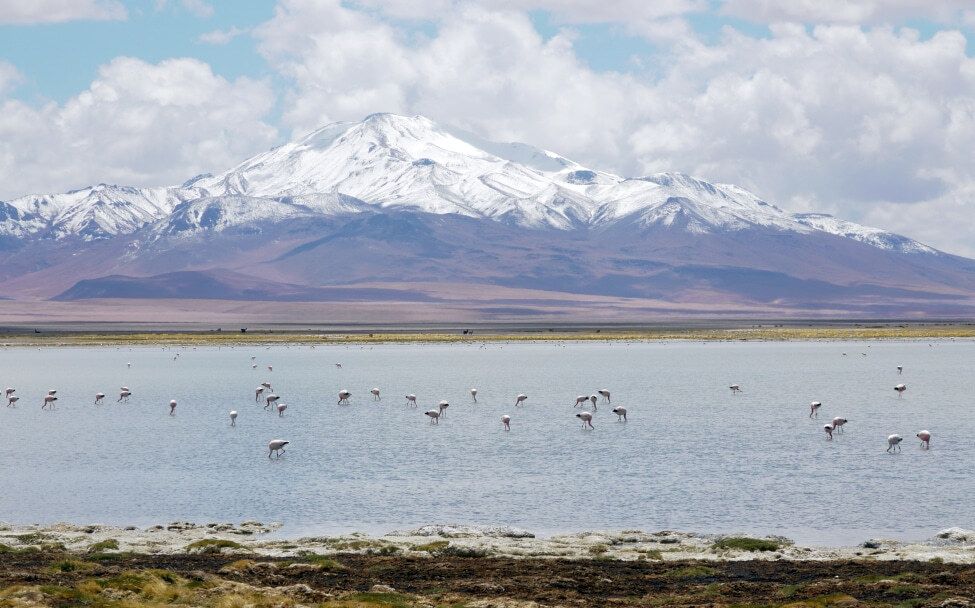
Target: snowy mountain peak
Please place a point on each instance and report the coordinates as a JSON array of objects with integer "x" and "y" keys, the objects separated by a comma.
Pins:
[{"x": 388, "y": 161}]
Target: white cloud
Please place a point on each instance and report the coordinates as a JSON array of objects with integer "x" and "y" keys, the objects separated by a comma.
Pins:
[
  {"x": 200, "y": 8},
  {"x": 221, "y": 37},
  {"x": 10, "y": 77},
  {"x": 138, "y": 123},
  {"x": 25, "y": 12},
  {"x": 835, "y": 118},
  {"x": 655, "y": 20},
  {"x": 569, "y": 11},
  {"x": 847, "y": 11}
]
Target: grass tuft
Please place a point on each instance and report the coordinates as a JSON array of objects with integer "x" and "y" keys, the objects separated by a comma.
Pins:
[
  {"x": 106, "y": 545},
  {"x": 744, "y": 543},
  {"x": 433, "y": 547},
  {"x": 212, "y": 545}
]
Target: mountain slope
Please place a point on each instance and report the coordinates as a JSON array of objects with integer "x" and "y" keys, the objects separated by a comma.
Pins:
[{"x": 403, "y": 200}]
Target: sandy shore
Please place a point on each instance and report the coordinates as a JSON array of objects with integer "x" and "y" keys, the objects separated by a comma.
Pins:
[{"x": 953, "y": 545}]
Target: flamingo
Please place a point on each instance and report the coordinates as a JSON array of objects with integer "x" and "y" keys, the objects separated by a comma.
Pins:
[
  {"x": 814, "y": 409},
  {"x": 593, "y": 399},
  {"x": 9, "y": 391},
  {"x": 270, "y": 368},
  {"x": 735, "y": 389},
  {"x": 270, "y": 399},
  {"x": 474, "y": 394},
  {"x": 442, "y": 408},
  {"x": 129, "y": 365},
  {"x": 375, "y": 395},
  {"x": 580, "y": 400},
  {"x": 344, "y": 396},
  {"x": 829, "y": 431},
  {"x": 900, "y": 388},
  {"x": 520, "y": 399},
  {"x": 172, "y": 407},
  {"x": 99, "y": 397},
  {"x": 12, "y": 400},
  {"x": 434, "y": 416},
  {"x": 925, "y": 437},
  {"x": 506, "y": 421},
  {"x": 124, "y": 394},
  {"x": 838, "y": 423},
  {"x": 258, "y": 392},
  {"x": 233, "y": 417},
  {"x": 411, "y": 399},
  {"x": 893, "y": 443},
  {"x": 605, "y": 393},
  {"x": 52, "y": 391},
  {"x": 338, "y": 366},
  {"x": 586, "y": 418},
  {"x": 266, "y": 385},
  {"x": 49, "y": 401},
  {"x": 281, "y": 408},
  {"x": 620, "y": 412},
  {"x": 276, "y": 445},
  {"x": 900, "y": 369}
]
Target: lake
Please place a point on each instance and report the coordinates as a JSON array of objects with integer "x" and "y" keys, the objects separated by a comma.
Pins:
[{"x": 691, "y": 457}]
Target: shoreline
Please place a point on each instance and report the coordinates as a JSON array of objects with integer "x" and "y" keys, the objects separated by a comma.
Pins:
[
  {"x": 122, "y": 336},
  {"x": 951, "y": 545},
  {"x": 225, "y": 566}
]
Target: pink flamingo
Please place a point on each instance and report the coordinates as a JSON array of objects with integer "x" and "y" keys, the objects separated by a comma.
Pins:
[{"x": 586, "y": 418}]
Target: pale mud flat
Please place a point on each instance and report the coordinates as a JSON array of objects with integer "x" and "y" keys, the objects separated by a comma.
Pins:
[{"x": 952, "y": 545}]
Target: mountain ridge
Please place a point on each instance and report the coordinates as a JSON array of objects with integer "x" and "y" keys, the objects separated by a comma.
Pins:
[
  {"x": 412, "y": 163},
  {"x": 403, "y": 200}
]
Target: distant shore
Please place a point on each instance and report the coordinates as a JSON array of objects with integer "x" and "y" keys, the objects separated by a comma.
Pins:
[
  {"x": 121, "y": 335},
  {"x": 229, "y": 565}
]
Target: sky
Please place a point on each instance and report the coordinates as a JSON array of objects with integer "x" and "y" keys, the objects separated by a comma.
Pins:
[{"x": 860, "y": 108}]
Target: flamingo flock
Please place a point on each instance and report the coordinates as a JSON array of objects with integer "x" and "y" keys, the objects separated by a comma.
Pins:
[{"x": 276, "y": 446}]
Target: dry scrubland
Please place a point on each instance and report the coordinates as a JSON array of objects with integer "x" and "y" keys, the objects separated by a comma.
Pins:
[
  {"x": 213, "y": 579},
  {"x": 229, "y": 338}
]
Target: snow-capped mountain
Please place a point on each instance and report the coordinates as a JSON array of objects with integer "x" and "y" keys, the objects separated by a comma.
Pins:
[
  {"x": 401, "y": 199},
  {"x": 396, "y": 162}
]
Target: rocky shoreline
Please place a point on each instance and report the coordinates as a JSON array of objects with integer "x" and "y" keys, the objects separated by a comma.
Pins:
[{"x": 953, "y": 545}]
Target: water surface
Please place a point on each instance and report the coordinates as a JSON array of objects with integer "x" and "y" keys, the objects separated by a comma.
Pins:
[{"x": 692, "y": 456}]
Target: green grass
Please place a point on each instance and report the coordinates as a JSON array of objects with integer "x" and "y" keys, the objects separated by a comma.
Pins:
[
  {"x": 106, "y": 545},
  {"x": 695, "y": 571},
  {"x": 744, "y": 543},
  {"x": 213, "y": 545},
  {"x": 392, "y": 600},
  {"x": 822, "y": 601},
  {"x": 433, "y": 547},
  {"x": 322, "y": 561},
  {"x": 72, "y": 565},
  {"x": 33, "y": 538},
  {"x": 368, "y": 545}
]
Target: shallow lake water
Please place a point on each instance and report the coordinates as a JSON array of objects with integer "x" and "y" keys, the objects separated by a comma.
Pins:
[{"x": 691, "y": 457}]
